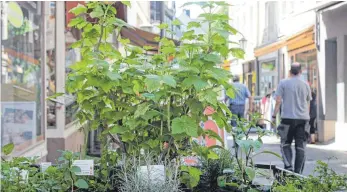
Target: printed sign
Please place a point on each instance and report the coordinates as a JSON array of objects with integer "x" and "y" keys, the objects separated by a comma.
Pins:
[
  {"x": 45, "y": 165},
  {"x": 86, "y": 166},
  {"x": 19, "y": 124}
]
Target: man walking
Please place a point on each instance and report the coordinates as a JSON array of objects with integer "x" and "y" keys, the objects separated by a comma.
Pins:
[
  {"x": 295, "y": 96},
  {"x": 237, "y": 104}
]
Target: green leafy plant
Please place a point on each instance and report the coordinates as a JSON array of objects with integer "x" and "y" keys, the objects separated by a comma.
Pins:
[
  {"x": 325, "y": 180},
  {"x": 212, "y": 169},
  {"x": 245, "y": 149},
  {"x": 143, "y": 101}
]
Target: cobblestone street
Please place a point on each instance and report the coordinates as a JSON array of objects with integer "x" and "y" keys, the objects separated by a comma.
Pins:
[{"x": 337, "y": 159}]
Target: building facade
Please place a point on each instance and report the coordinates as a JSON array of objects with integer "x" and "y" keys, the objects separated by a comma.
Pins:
[
  {"x": 331, "y": 41},
  {"x": 35, "y": 57},
  {"x": 297, "y": 31}
]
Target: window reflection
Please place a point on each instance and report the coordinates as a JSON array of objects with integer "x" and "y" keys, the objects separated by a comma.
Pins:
[
  {"x": 308, "y": 61},
  {"x": 51, "y": 66},
  {"x": 71, "y": 56},
  {"x": 21, "y": 79}
]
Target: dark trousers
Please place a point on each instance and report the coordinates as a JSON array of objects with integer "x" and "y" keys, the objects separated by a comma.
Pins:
[
  {"x": 238, "y": 111},
  {"x": 294, "y": 129},
  {"x": 312, "y": 125}
]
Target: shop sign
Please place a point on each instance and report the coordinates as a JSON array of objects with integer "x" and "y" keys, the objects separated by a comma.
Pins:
[{"x": 15, "y": 14}]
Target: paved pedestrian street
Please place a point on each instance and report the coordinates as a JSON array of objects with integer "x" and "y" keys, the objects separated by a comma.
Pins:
[{"x": 336, "y": 158}]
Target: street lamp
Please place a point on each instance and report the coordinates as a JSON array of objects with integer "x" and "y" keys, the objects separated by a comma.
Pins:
[{"x": 243, "y": 43}]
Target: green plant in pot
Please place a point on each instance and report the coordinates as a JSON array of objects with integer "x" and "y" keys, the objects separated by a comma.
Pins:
[
  {"x": 150, "y": 102},
  {"x": 245, "y": 149}
]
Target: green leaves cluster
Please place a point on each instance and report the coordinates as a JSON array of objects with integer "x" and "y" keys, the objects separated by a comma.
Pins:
[
  {"x": 148, "y": 100},
  {"x": 145, "y": 98}
]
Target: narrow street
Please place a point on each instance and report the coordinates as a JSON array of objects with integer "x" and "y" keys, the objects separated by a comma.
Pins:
[{"x": 337, "y": 159}]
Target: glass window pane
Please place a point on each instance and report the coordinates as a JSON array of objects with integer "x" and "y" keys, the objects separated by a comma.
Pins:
[
  {"x": 71, "y": 56},
  {"x": 21, "y": 91},
  {"x": 308, "y": 61},
  {"x": 50, "y": 65}
]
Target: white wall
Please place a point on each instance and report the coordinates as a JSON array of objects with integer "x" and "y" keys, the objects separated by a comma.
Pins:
[
  {"x": 333, "y": 26},
  {"x": 244, "y": 18}
]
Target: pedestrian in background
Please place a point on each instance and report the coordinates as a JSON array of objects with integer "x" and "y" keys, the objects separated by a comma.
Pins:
[
  {"x": 313, "y": 117},
  {"x": 295, "y": 95},
  {"x": 237, "y": 104}
]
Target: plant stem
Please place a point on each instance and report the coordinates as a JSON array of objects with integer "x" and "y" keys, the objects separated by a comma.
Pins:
[
  {"x": 169, "y": 114},
  {"x": 102, "y": 28}
]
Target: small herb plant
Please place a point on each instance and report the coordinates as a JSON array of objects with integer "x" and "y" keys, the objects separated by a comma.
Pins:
[{"x": 325, "y": 180}]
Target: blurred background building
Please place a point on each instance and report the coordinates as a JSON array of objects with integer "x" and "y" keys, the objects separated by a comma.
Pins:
[
  {"x": 35, "y": 56},
  {"x": 276, "y": 34}
]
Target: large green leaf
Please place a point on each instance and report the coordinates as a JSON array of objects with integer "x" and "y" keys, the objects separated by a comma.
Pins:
[
  {"x": 152, "y": 83},
  {"x": 212, "y": 155},
  {"x": 245, "y": 145},
  {"x": 185, "y": 124},
  {"x": 229, "y": 28},
  {"x": 117, "y": 129},
  {"x": 230, "y": 93},
  {"x": 114, "y": 75},
  {"x": 196, "y": 81},
  {"x": 212, "y": 58},
  {"x": 97, "y": 12},
  {"x": 128, "y": 136},
  {"x": 237, "y": 53},
  {"x": 193, "y": 24},
  {"x": 8, "y": 148},
  {"x": 195, "y": 174},
  {"x": 79, "y": 9},
  {"x": 169, "y": 80},
  {"x": 168, "y": 50},
  {"x": 219, "y": 74},
  {"x": 141, "y": 109},
  {"x": 75, "y": 21},
  {"x": 210, "y": 96},
  {"x": 250, "y": 172},
  {"x": 82, "y": 184},
  {"x": 225, "y": 108}
]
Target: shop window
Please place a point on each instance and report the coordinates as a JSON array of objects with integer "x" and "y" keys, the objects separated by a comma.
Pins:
[
  {"x": 71, "y": 56},
  {"x": 269, "y": 66},
  {"x": 51, "y": 65},
  {"x": 308, "y": 61},
  {"x": 21, "y": 79},
  {"x": 268, "y": 77}
]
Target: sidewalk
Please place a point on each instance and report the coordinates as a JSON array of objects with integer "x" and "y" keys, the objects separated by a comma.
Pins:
[{"x": 337, "y": 159}]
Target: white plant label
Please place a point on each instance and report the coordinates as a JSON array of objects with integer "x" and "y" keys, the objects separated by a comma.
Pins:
[
  {"x": 23, "y": 173},
  {"x": 86, "y": 166},
  {"x": 45, "y": 165}
]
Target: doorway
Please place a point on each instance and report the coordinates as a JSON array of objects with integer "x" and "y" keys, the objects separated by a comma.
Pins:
[{"x": 330, "y": 79}]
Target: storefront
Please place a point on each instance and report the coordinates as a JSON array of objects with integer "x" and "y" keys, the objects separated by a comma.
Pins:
[
  {"x": 34, "y": 63},
  {"x": 22, "y": 77},
  {"x": 250, "y": 76},
  {"x": 301, "y": 48},
  {"x": 268, "y": 67}
]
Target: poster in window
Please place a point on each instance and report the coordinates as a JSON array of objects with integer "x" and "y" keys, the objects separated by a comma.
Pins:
[
  {"x": 269, "y": 66},
  {"x": 18, "y": 124}
]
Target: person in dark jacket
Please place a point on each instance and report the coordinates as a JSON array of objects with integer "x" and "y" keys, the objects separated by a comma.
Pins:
[{"x": 313, "y": 116}]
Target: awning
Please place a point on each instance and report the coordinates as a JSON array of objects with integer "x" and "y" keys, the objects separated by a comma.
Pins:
[{"x": 142, "y": 38}]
